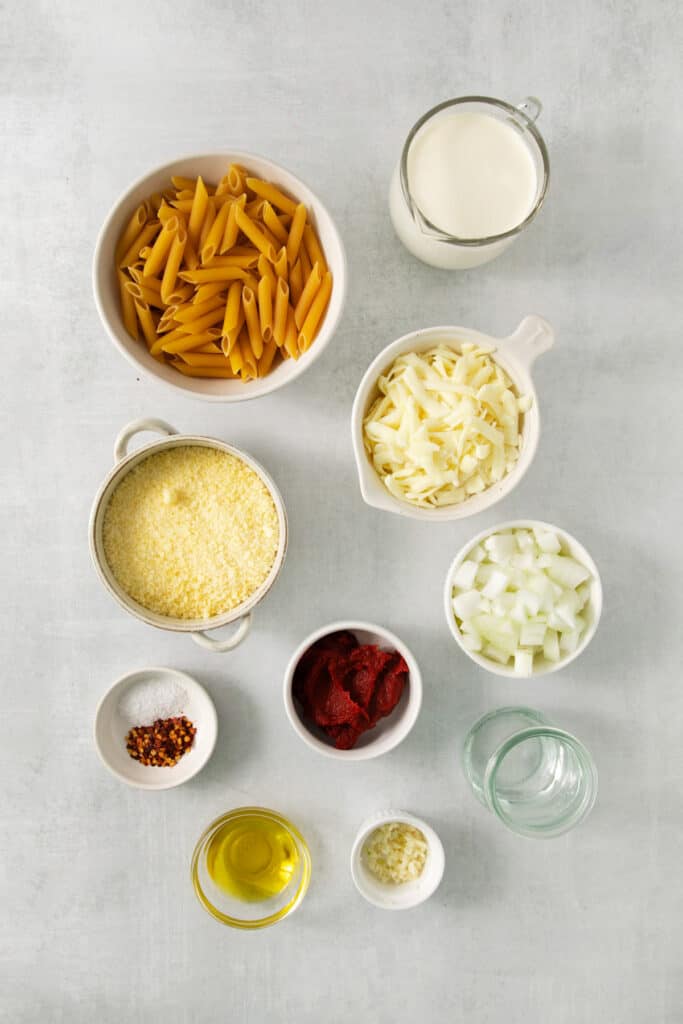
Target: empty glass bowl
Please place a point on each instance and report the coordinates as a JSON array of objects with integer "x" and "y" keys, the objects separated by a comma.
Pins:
[
  {"x": 251, "y": 868},
  {"x": 540, "y": 781}
]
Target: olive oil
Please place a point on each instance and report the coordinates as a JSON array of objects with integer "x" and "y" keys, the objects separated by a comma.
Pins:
[{"x": 252, "y": 858}]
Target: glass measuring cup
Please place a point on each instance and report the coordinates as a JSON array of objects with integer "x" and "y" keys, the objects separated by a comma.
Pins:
[
  {"x": 540, "y": 781},
  {"x": 424, "y": 239}
]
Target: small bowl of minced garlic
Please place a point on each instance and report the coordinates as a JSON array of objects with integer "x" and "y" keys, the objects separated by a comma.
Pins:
[{"x": 397, "y": 860}]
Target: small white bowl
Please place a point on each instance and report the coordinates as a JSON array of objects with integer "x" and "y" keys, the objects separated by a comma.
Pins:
[
  {"x": 592, "y": 610},
  {"x": 212, "y": 167},
  {"x": 111, "y": 730},
  {"x": 515, "y": 354},
  {"x": 409, "y": 894},
  {"x": 389, "y": 731}
]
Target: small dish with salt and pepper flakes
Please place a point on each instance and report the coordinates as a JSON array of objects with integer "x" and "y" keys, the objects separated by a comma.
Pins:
[{"x": 155, "y": 728}]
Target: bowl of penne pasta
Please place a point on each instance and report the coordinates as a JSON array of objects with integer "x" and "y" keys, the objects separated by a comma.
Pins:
[{"x": 220, "y": 275}]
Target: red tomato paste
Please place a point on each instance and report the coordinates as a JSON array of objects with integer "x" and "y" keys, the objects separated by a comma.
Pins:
[{"x": 345, "y": 687}]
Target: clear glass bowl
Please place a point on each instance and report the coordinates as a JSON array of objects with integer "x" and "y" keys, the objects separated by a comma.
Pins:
[{"x": 241, "y": 913}]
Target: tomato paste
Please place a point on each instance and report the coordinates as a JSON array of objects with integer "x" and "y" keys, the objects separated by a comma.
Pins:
[{"x": 345, "y": 687}]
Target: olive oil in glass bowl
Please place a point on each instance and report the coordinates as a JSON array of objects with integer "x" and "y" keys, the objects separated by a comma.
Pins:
[{"x": 251, "y": 868}]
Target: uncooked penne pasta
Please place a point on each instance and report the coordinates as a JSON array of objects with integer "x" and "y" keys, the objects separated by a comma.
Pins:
[
  {"x": 215, "y": 235},
  {"x": 232, "y": 308},
  {"x": 253, "y": 233},
  {"x": 280, "y": 311},
  {"x": 280, "y": 264},
  {"x": 266, "y": 360},
  {"x": 265, "y": 308},
  {"x": 296, "y": 233},
  {"x": 130, "y": 320},
  {"x": 309, "y": 328},
  {"x": 313, "y": 249},
  {"x": 147, "y": 295},
  {"x": 208, "y": 274},
  {"x": 204, "y": 371},
  {"x": 175, "y": 256},
  {"x": 222, "y": 281},
  {"x": 252, "y": 318},
  {"x": 272, "y": 222},
  {"x": 131, "y": 232},
  {"x": 308, "y": 294},
  {"x": 291, "y": 345},
  {"x": 231, "y": 228},
  {"x": 147, "y": 324},
  {"x": 272, "y": 194},
  {"x": 198, "y": 213},
  {"x": 296, "y": 282},
  {"x": 157, "y": 258},
  {"x": 146, "y": 235}
]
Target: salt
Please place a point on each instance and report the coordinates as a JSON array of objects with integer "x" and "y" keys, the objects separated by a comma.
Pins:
[{"x": 144, "y": 703}]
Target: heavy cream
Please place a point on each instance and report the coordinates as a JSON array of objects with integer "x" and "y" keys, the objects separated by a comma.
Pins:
[{"x": 471, "y": 175}]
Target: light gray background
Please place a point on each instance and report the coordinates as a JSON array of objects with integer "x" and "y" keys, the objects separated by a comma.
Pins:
[{"x": 99, "y": 920}]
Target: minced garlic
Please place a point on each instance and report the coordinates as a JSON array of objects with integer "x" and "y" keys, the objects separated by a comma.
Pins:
[
  {"x": 395, "y": 853},
  {"x": 191, "y": 532}
]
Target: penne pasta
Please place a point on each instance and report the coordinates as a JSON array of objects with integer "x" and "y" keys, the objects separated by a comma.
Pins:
[
  {"x": 309, "y": 328},
  {"x": 291, "y": 345},
  {"x": 253, "y": 233},
  {"x": 280, "y": 311},
  {"x": 252, "y": 318},
  {"x": 266, "y": 360},
  {"x": 223, "y": 280},
  {"x": 130, "y": 320},
  {"x": 265, "y": 269},
  {"x": 157, "y": 258},
  {"x": 308, "y": 294},
  {"x": 198, "y": 213},
  {"x": 296, "y": 233},
  {"x": 175, "y": 257},
  {"x": 149, "y": 331},
  {"x": 296, "y": 282},
  {"x": 232, "y": 308},
  {"x": 272, "y": 222},
  {"x": 313, "y": 249},
  {"x": 209, "y": 274},
  {"x": 215, "y": 235},
  {"x": 272, "y": 194},
  {"x": 146, "y": 235},
  {"x": 265, "y": 308},
  {"x": 280, "y": 264},
  {"x": 131, "y": 232},
  {"x": 231, "y": 229}
]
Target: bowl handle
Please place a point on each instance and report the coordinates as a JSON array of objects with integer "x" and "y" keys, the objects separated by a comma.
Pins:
[
  {"x": 219, "y": 646},
  {"x": 532, "y": 338},
  {"x": 137, "y": 427}
]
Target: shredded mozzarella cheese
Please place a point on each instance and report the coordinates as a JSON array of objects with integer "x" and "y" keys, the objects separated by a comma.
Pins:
[{"x": 445, "y": 426}]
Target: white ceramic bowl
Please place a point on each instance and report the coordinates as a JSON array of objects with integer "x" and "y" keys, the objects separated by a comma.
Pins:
[
  {"x": 409, "y": 894},
  {"x": 515, "y": 354},
  {"x": 124, "y": 462},
  {"x": 389, "y": 731},
  {"x": 212, "y": 167},
  {"x": 111, "y": 729},
  {"x": 592, "y": 610}
]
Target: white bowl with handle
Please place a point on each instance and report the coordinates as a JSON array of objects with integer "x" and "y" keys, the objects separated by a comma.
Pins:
[
  {"x": 124, "y": 462},
  {"x": 515, "y": 354},
  {"x": 212, "y": 167},
  {"x": 593, "y": 608}
]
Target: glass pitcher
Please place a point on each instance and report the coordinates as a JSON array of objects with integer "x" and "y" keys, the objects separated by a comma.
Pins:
[{"x": 424, "y": 239}]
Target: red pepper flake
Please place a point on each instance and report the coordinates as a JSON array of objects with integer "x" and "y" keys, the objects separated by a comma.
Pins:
[
  {"x": 162, "y": 744},
  {"x": 345, "y": 687}
]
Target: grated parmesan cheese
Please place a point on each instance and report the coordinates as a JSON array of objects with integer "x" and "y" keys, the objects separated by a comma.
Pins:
[
  {"x": 191, "y": 532},
  {"x": 395, "y": 853},
  {"x": 445, "y": 427}
]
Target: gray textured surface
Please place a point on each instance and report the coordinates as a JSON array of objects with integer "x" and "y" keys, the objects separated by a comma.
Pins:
[{"x": 99, "y": 921}]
